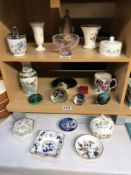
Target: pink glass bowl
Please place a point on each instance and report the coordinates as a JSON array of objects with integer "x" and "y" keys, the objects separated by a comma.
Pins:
[{"x": 65, "y": 42}]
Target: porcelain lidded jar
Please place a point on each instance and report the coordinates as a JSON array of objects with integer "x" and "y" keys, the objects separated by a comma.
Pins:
[
  {"x": 111, "y": 48},
  {"x": 102, "y": 127},
  {"x": 28, "y": 79},
  {"x": 17, "y": 42}
]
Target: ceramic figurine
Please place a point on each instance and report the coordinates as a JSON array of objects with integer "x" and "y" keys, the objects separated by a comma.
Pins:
[
  {"x": 48, "y": 143},
  {"x": 110, "y": 48},
  {"x": 28, "y": 79},
  {"x": 90, "y": 34},
  {"x": 89, "y": 147},
  {"x": 23, "y": 128},
  {"x": 38, "y": 30},
  {"x": 103, "y": 82},
  {"x": 66, "y": 24},
  {"x": 102, "y": 127},
  {"x": 17, "y": 42},
  {"x": 103, "y": 98}
]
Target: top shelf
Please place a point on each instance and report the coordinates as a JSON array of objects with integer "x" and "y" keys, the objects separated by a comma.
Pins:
[{"x": 52, "y": 55}]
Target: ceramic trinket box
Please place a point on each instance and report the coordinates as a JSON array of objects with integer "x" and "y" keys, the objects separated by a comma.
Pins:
[
  {"x": 48, "y": 143},
  {"x": 17, "y": 42},
  {"x": 103, "y": 98},
  {"x": 89, "y": 147},
  {"x": 79, "y": 98},
  {"x": 23, "y": 128},
  {"x": 102, "y": 127},
  {"x": 110, "y": 48}
]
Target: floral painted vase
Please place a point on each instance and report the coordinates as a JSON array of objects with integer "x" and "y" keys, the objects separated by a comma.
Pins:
[
  {"x": 102, "y": 127},
  {"x": 28, "y": 79}
]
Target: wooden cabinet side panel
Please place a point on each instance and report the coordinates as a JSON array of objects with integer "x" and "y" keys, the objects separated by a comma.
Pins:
[{"x": 11, "y": 80}]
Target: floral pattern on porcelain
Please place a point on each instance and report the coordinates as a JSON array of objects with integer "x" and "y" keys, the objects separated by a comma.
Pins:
[
  {"x": 23, "y": 127},
  {"x": 29, "y": 79},
  {"x": 48, "y": 143},
  {"x": 18, "y": 46},
  {"x": 89, "y": 147},
  {"x": 102, "y": 127}
]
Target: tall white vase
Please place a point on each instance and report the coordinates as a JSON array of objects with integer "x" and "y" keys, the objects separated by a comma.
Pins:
[
  {"x": 90, "y": 33},
  {"x": 38, "y": 30}
]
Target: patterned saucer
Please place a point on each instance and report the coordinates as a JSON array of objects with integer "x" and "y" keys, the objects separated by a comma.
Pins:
[
  {"x": 89, "y": 147},
  {"x": 68, "y": 124}
]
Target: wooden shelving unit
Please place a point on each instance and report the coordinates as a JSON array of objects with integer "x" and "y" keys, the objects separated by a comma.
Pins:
[{"x": 46, "y": 62}]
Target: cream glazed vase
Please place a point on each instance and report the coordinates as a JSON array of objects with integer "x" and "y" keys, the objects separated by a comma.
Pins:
[
  {"x": 90, "y": 33},
  {"x": 102, "y": 127}
]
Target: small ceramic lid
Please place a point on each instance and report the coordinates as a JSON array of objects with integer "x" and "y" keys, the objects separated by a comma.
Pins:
[
  {"x": 112, "y": 41},
  {"x": 15, "y": 34}
]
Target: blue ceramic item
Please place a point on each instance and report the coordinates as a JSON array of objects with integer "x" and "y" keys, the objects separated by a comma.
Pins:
[{"x": 68, "y": 124}]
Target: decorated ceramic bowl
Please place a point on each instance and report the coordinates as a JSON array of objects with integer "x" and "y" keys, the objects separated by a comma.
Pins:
[
  {"x": 89, "y": 147},
  {"x": 48, "y": 143},
  {"x": 102, "y": 127},
  {"x": 68, "y": 124}
]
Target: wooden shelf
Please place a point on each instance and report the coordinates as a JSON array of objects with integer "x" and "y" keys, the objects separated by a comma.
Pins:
[
  {"x": 52, "y": 55},
  {"x": 20, "y": 102}
]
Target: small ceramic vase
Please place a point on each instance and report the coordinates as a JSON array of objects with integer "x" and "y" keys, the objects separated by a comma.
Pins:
[
  {"x": 102, "y": 127},
  {"x": 90, "y": 33},
  {"x": 17, "y": 42},
  {"x": 28, "y": 79},
  {"x": 110, "y": 48},
  {"x": 38, "y": 30}
]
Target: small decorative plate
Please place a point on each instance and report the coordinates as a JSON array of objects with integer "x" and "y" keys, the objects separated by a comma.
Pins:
[
  {"x": 68, "y": 124},
  {"x": 35, "y": 99},
  {"x": 89, "y": 147},
  {"x": 59, "y": 95},
  {"x": 64, "y": 81},
  {"x": 48, "y": 143}
]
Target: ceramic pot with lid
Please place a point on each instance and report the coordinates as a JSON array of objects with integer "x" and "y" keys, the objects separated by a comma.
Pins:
[
  {"x": 28, "y": 79},
  {"x": 111, "y": 48},
  {"x": 102, "y": 127},
  {"x": 17, "y": 42}
]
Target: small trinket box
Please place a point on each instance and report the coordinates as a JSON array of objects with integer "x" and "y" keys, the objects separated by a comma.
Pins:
[
  {"x": 103, "y": 98},
  {"x": 23, "y": 127},
  {"x": 83, "y": 89},
  {"x": 102, "y": 127}
]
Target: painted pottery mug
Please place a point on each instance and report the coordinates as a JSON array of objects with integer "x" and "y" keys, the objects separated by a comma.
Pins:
[{"x": 103, "y": 82}]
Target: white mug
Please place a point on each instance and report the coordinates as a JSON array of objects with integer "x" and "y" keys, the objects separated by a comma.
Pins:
[{"x": 103, "y": 82}]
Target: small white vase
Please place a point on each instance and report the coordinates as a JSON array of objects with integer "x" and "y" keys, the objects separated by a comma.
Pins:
[
  {"x": 90, "y": 33},
  {"x": 38, "y": 30}
]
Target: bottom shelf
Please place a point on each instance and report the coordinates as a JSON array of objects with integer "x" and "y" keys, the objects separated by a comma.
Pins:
[{"x": 20, "y": 102}]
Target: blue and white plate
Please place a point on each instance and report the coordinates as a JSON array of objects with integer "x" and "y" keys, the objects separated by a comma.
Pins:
[
  {"x": 48, "y": 143},
  {"x": 68, "y": 124}
]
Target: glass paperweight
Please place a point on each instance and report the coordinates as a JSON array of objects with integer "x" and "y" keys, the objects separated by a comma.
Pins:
[
  {"x": 35, "y": 99},
  {"x": 65, "y": 42}
]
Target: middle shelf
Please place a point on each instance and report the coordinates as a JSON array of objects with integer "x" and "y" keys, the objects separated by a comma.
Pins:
[{"x": 20, "y": 101}]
